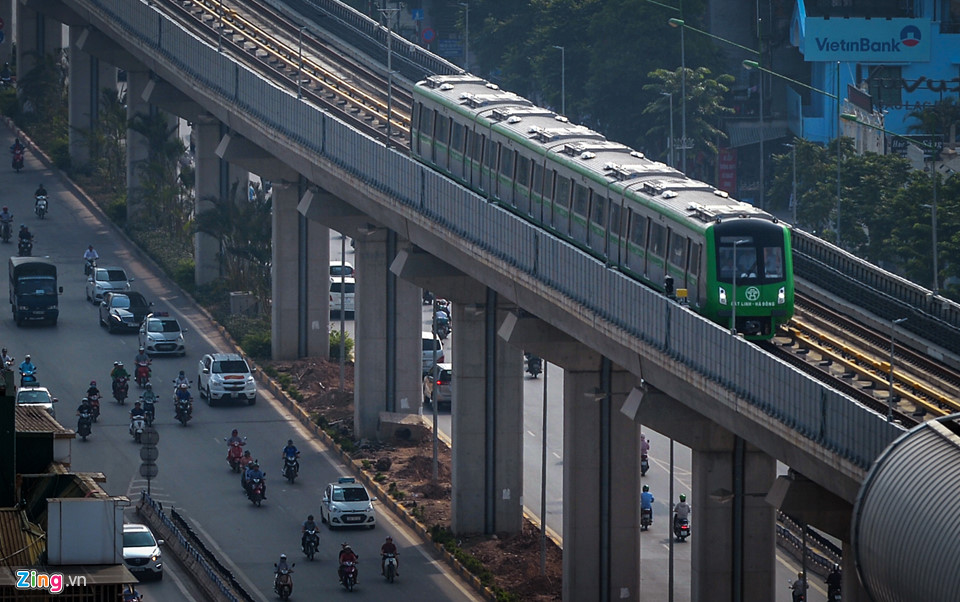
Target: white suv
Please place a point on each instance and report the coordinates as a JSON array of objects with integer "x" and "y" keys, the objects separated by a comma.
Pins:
[{"x": 226, "y": 376}]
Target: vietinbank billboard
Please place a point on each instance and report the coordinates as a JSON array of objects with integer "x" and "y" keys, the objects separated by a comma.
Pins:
[{"x": 867, "y": 40}]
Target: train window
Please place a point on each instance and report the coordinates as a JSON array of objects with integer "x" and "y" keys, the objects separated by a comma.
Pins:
[
  {"x": 562, "y": 193},
  {"x": 537, "y": 183},
  {"x": 638, "y": 230},
  {"x": 506, "y": 162},
  {"x": 548, "y": 180},
  {"x": 694, "y": 259},
  {"x": 523, "y": 171},
  {"x": 457, "y": 141},
  {"x": 658, "y": 239},
  {"x": 678, "y": 250},
  {"x": 598, "y": 211},
  {"x": 581, "y": 199},
  {"x": 773, "y": 263},
  {"x": 477, "y": 151},
  {"x": 426, "y": 121},
  {"x": 615, "y": 217},
  {"x": 443, "y": 129},
  {"x": 490, "y": 155}
]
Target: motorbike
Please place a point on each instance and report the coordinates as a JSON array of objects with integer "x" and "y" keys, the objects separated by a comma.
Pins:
[
  {"x": 681, "y": 529},
  {"x": 136, "y": 428},
  {"x": 311, "y": 541},
  {"x": 5, "y": 230},
  {"x": 390, "y": 567},
  {"x": 833, "y": 595},
  {"x": 255, "y": 491},
  {"x": 132, "y": 596},
  {"x": 443, "y": 328},
  {"x": 283, "y": 583},
  {"x": 349, "y": 575},
  {"x": 25, "y": 248},
  {"x": 644, "y": 465},
  {"x": 234, "y": 453},
  {"x": 120, "y": 389},
  {"x": 28, "y": 378},
  {"x": 184, "y": 410},
  {"x": 798, "y": 591},
  {"x": 89, "y": 266},
  {"x": 84, "y": 425},
  {"x": 149, "y": 411},
  {"x": 40, "y": 206},
  {"x": 95, "y": 406},
  {"x": 291, "y": 467},
  {"x": 142, "y": 374},
  {"x": 534, "y": 365},
  {"x": 646, "y": 518},
  {"x": 18, "y": 160}
]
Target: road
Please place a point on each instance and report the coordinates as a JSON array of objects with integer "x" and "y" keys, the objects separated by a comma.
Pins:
[{"x": 193, "y": 474}]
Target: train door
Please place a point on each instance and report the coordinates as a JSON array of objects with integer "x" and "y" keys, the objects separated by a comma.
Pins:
[
  {"x": 636, "y": 244},
  {"x": 580, "y": 213},
  {"x": 488, "y": 171},
  {"x": 476, "y": 159},
  {"x": 597, "y": 224},
  {"x": 521, "y": 192},
  {"x": 561, "y": 205},
  {"x": 505, "y": 178},
  {"x": 426, "y": 133},
  {"x": 656, "y": 253},
  {"x": 679, "y": 255}
]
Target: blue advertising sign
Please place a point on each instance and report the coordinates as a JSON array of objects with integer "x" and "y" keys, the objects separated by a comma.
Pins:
[
  {"x": 867, "y": 40},
  {"x": 416, "y": 14}
]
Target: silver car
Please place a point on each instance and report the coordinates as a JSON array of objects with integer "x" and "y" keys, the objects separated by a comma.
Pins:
[
  {"x": 160, "y": 334},
  {"x": 443, "y": 385},
  {"x": 104, "y": 280},
  {"x": 141, "y": 551}
]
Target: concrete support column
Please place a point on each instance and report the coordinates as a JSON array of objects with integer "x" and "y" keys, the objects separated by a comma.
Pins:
[
  {"x": 88, "y": 77},
  {"x": 370, "y": 368},
  {"x": 286, "y": 273},
  {"x": 9, "y": 32},
  {"x": 206, "y": 247},
  {"x": 607, "y": 539},
  {"x": 409, "y": 349},
  {"x": 487, "y": 424},
  {"x": 315, "y": 297},
  {"x": 730, "y": 483},
  {"x": 37, "y": 36},
  {"x": 138, "y": 147}
]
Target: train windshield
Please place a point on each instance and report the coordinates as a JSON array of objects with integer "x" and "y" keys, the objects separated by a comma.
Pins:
[{"x": 752, "y": 259}]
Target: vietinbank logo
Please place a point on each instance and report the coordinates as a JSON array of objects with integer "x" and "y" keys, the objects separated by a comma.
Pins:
[
  {"x": 866, "y": 40},
  {"x": 910, "y": 36}
]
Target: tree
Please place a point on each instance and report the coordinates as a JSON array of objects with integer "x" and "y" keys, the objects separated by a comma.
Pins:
[
  {"x": 942, "y": 118},
  {"x": 165, "y": 203}
]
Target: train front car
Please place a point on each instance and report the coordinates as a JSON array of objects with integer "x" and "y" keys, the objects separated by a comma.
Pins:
[{"x": 749, "y": 266}]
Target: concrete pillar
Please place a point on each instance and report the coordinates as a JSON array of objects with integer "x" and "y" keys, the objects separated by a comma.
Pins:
[
  {"x": 286, "y": 273},
  {"x": 409, "y": 384},
  {"x": 315, "y": 299},
  {"x": 9, "y": 31},
  {"x": 206, "y": 247},
  {"x": 138, "y": 147},
  {"x": 487, "y": 423},
  {"x": 88, "y": 77},
  {"x": 37, "y": 36},
  {"x": 585, "y": 407},
  {"x": 370, "y": 368}
]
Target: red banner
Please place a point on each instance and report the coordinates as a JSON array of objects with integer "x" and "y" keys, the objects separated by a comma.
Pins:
[{"x": 727, "y": 170}]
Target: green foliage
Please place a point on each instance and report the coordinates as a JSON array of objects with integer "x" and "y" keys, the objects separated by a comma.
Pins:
[
  {"x": 270, "y": 371},
  {"x": 116, "y": 209},
  {"x": 379, "y": 477},
  {"x": 366, "y": 464},
  {"x": 257, "y": 344},
  {"x": 398, "y": 495},
  {"x": 184, "y": 274},
  {"x": 335, "y": 345},
  {"x": 8, "y": 102}
]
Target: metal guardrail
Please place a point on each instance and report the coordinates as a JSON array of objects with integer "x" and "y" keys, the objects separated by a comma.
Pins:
[{"x": 211, "y": 567}]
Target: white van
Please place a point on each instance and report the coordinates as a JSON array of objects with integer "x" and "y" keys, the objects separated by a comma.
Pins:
[
  {"x": 348, "y": 287},
  {"x": 432, "y": 347}
]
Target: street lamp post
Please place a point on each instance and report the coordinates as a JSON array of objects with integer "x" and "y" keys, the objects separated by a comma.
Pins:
[
  {"x": 733, "y": 302},
  {"x": 933, "y": 176},
  {"x": 466, "y": 35},
  {"x": 563, "y": 80},
  {"x": 893, "y": 331},
  {"x": 669, "y": 95}
]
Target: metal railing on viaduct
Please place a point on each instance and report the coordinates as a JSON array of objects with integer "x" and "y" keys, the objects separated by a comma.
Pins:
[{"x": 594, "y": 302}]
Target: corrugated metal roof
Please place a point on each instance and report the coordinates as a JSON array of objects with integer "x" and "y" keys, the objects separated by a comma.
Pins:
[
  {"x": 37, "y": 420},
  {"x": 21, "y": 542}
]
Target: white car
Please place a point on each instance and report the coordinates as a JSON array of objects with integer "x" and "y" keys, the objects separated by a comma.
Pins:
[
  {"x": 161, "y": 334},
  {"x": 104, "y": 280},
  {"x": 141, "y": 551},
  {"x": 38, "y": 397},
  {"x": 348, "y": 286},
  {"x": 342, "y": 268},
  {"x": 346, "y": 504},
  {"x": 226, "y": 376}
]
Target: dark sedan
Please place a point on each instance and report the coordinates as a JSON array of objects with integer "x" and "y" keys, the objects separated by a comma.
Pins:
[{"x": 123, "y": 310}]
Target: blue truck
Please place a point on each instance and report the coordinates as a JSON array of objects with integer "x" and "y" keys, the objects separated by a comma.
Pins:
[{"x": 33, "y": 290}]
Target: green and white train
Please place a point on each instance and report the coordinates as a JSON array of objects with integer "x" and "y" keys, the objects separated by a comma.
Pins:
[{"x": 640, "y": 216}]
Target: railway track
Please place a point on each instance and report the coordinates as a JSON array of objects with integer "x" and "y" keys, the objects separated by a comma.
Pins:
[
  {"x": 272, "y": 44},
  {"x": 856, "y": 359}
]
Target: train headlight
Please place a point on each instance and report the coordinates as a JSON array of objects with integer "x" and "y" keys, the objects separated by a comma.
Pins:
[
  {"x": 723, "y": 296},
  {"x": 782, "y": 296}
]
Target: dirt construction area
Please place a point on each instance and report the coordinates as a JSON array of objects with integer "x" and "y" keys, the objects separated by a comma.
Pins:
[{"x": 510, "y": 563}]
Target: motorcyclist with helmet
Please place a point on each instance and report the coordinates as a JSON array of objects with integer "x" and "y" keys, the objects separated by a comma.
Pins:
[
  {"x": 253, "y": 472},
  {"x": 348, "y": 555},
  {"x": 28, "y": 368},
  {"x": 6, "y": 222},
  {"x": 646, "y": 501},
  {"x": 282, "y": 565},
  {"x": 681, "y": 511},
  {"x": 799, "y": 588},
  {"x": 116, "y": 374},
  {"x": 25, "y": 236},
  {"x": 84, "y": 406},
  {"x": 142, "y": 359},
  {"x": 291, "y": 450},
  {"x": 389, "y": 547},
  {"x": 181, "y": 380},
  {"x": 182, "y": 395},
  {"x": 834, "y": 581},
  {"x": 41, "y": 191},
  {"x": 6, "y": 358},
  {"x": 92, "y": 389}
]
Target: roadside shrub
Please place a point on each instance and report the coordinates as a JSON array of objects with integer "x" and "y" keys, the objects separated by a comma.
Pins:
[
  {"x": 258, "y": 344},
  {"x": 335, "y": 346}
]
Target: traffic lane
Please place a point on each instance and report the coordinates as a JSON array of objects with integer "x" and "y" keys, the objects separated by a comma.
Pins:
[
  {"x": 533, "y": 445},
  {"x": 79, "y": 349}
]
